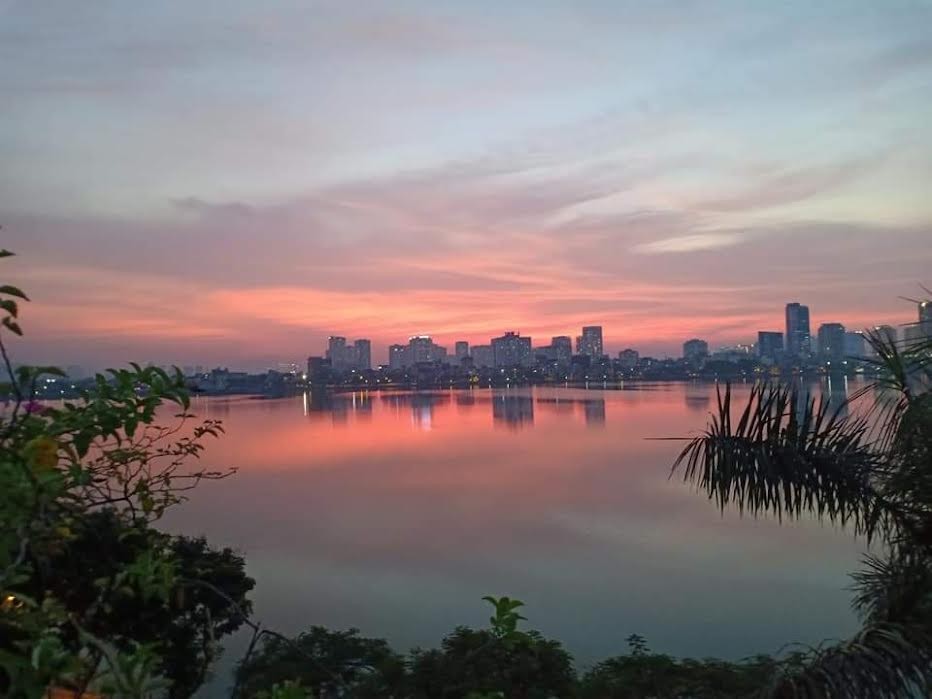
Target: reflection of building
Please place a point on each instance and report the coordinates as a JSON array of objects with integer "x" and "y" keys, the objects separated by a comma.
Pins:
[
  {"x": 511, "y": 350},
  {"x": 594, "y": 411},
  {"x": 697, "y": 396},
  {"x": 770, "y": 346},
  {"x": 835, "y": 389},
  {"x": 590, "y": 342},
  {"x": 832, "y": 343},
  {"x": 695, "y": 350},
  {"x": 798, "y": 339},
  {"x": 512, "y": 410}
]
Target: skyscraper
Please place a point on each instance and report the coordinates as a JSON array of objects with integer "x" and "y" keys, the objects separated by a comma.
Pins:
[
  {"x": 420, "y": 349},
  {"x": 590, "y": 342},
  {"x": 770, "y": 345},
  {"x": 342, "y": 356},
  {"x": 855, "y": 346},
  {"x": 695, "y": 350},
  {"x": 396, "y": 356},
  {"x": 461, "y": 350},
  {"x": 798, "y": 337},
  {"x": 832, "y": 343},
  {"x": 363, "y": 354},
  {"x": 887, "y": 332},
  {"x": 482, "y": 356},
  {"x": 628, "y": 358},
  {"x": 925, "y": 318},
  {"x": 562, "y": 349},
  {"x": 511, "y": 350}
]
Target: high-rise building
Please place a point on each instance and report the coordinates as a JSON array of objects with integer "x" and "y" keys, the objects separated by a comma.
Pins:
[
  {"x": 695, "y": 350},
  {"x": 363, "y": 354},
  {"x": 562, "y": 347},
  {"x": 420, "y": 349},
  {"x": 886, "y": 332},
  {"x": 832, "y": 343},
  {"x": 511, "y": 350},
  {"x": 628, "y": 358},
  {"x": 397, "y": 356},
  {"x": 855, "y": 345},
  {"x": 798, "y": 336},
  {"x": 914, "y": 335},
  {"x": 461, "y": 350},
  {"x": 482, "y": 356},
  {"x": 342, "y": 357},
  {"x": 925, "y": 318},
  {"x": 590, "y": 342},
  {"x": 770, "y": 345}
]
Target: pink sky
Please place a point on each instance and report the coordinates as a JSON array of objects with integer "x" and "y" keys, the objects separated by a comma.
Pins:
[{"x": 202, "y": 188}]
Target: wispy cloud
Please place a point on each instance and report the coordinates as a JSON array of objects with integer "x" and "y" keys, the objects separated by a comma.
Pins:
[{"x": 690, "y": 243}]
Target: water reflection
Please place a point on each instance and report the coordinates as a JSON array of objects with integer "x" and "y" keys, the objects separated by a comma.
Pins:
[
  {"x": 594, "y": 410},
  {"x": 395, "y": 512},
  {"x": 512, "y": 411}
]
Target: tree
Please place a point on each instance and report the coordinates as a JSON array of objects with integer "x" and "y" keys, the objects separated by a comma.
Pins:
[
  {"x": 329, "y": 663},
  {"x": 867, "y": 467},
  {"x": 91, "y": 595}
]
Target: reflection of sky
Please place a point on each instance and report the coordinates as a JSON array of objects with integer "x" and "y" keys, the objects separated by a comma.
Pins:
[
  {"x": 379, "y": 524},
  {"x": 180, "y": 178}
]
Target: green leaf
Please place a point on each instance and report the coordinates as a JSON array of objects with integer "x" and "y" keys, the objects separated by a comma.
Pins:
[
  {"x": 12, "y": 290},
  {"x": 9, "y": 306},
  {"x": 13, "y": 326}
]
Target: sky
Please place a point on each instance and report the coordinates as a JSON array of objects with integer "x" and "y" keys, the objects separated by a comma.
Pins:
[{"x": 231, "y": 182}]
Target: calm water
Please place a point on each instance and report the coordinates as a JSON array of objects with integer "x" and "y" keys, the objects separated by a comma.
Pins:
[{"x": 396, "y": 512}]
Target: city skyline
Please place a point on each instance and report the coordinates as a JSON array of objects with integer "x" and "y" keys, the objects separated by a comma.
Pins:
[{"x": 234, "y": 183}]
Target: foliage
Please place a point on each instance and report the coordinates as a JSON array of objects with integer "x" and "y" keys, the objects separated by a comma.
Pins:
[
  {"x": 641, "y": 674},
  {"x": 867, "y": 465},
  {"x": 324, "y": 661},
  {"x": 92, "y": 595}
]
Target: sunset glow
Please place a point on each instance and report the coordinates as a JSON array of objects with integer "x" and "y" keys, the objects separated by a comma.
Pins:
[{"x": 231, "y": 184}]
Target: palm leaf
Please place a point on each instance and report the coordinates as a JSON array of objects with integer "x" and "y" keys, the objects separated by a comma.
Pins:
[
  {"x": 883, "y": 661},
  {"x": 788, "y": 455}
]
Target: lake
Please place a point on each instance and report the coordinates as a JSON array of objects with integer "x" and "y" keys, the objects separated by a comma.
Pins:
[{"x": 396, "y": 512}]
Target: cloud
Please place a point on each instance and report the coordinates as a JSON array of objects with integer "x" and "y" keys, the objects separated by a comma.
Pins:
[{"x": 690, "y": 243}]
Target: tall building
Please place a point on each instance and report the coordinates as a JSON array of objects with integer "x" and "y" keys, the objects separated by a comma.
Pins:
[
  {"x": 342, "y": 357},
  {"x": 925, "y": 318},
  {"x": 770, "y": 345},
  {"x": 562, "y": 347},
  {"x": 420, "y": 349},
  {"x": 482, "y": 356},
  {"x": 461, "y": 350},
  {"x": 590, "y": 342},
  {"x": 855, "y": 345},
  {"x": 832, "y": 343},
  {"x": 914, "y": 335},
  {"x": 397, "y": 356},
  {"x": 798, "y": 336},
  {"x": 887, "y": 332},
  {"x": 511, "y": 350},
  {"x": 695, "y": 350},
  {"x": 628, "y": 358},
  {"x": 363, "y": 354}
]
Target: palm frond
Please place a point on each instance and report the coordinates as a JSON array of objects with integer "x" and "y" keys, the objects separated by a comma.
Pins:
[
  {"x": 884, "y": 661},
  {"x": 894, "y": 589},
  {"x": 788, "y": 455}
]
